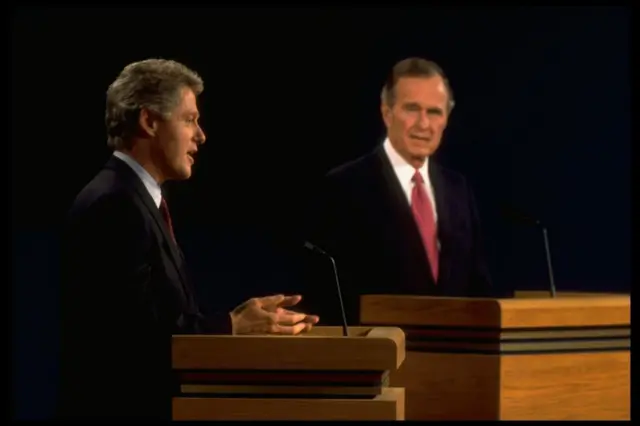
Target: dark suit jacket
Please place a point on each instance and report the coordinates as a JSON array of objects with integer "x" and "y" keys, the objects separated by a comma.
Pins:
[
  {"x": 362, "y": 218},
  {"x": 125, "y": 292}
]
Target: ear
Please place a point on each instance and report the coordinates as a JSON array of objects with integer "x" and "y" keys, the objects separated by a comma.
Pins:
[
  {"x": 148, "y": 122},
  {"x": 447, "y": 115},
  {"x": 386, "y": 112}
]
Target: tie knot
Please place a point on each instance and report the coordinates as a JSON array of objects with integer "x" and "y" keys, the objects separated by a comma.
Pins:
[{"x": 417, "y": 177}]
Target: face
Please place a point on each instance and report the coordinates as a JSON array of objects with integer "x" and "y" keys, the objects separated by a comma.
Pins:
[
  {"x": 416, "y": 121},
  {"x": 176, "y": 139}
]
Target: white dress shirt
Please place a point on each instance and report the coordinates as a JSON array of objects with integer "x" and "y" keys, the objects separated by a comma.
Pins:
[
  {"x": 405, "y": 171},
  {"x": 149, "y": 182}
]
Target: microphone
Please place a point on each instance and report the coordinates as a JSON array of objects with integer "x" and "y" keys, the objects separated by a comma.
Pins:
[
  {"x": 318, "y": 250},
  {"x": 519, "y": 216}
]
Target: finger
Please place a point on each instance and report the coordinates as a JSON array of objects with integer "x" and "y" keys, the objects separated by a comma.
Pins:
[
  {"x": 312, "y": 319},
  {"x": 290, "y": 300},
  {"x": 268, "y": 301},
  {"x": 286, "y": 311},
  {"x": 286, "y": 301},
  {"x": 290, "y": 318},
  {"x": 289, "y": 329}
]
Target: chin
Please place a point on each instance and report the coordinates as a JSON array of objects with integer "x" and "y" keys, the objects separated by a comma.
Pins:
[
  {"x": 422, "y": 154},
  {"x": 425, "y": 152},
  {"x": 186, "y": 174},
  {"x": 182, "y": 173}
]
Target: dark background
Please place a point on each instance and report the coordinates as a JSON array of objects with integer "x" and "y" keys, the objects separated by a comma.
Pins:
[{"x": 541, "y": 124}]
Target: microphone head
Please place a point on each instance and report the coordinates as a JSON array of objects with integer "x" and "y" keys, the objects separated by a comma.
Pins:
[
  {"x": 519, "y": 216},
  {"x": 313, "y": 247}
]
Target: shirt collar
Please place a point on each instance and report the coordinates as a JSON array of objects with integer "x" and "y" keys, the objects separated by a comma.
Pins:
[
  {"x": 404, "y": 170},
  {"x": 149, "y": 182}
]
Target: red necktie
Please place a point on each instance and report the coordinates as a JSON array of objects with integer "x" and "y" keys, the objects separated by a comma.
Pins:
[
  {"x": 423, "y": 214},
  {"x": 164, "y": 210}
]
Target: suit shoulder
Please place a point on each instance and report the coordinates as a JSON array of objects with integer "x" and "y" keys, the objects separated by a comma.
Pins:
[
  {"x": 450, "y": 173},
  {"x": 104, "y": 193},
  {"x": 458, "y": 185},
  {"x": 352, "y": 167},
  {"x": 452, "y": 177}
]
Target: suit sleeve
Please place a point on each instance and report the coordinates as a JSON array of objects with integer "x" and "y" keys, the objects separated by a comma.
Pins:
[
  {"x": 216, "y": 323},
  {"x": 481, "y": 285}
]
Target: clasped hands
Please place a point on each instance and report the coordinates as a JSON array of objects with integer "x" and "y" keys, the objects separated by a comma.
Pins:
[{"x": 269, "y": 315}]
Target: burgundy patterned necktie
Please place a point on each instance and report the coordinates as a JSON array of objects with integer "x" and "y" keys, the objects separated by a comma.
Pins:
[
  {"x": 164, "y": 210},
  {"x": 423, "y": 214}
]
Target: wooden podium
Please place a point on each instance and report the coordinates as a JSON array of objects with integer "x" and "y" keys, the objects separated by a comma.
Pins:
[
  {"x": 321, "y": 375},
  {"x": 527, "y": 358}
]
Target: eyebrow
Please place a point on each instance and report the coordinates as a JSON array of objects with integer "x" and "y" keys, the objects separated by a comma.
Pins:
[{"x": 415, "y": 104}]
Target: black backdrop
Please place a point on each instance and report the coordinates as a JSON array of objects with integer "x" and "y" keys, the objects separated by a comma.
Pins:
[{"x": 541, "y": 123}]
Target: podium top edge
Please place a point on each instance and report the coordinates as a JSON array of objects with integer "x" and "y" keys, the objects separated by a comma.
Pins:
[
  {"x": 328, "y": 333},
  {"x": 324, "y": 348},
  {"x": 566, "y": 299},
  {"x": 590, "y": 311}
]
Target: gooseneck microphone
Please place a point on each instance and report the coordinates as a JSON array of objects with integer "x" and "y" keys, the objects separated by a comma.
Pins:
[
  {"x": 519, "y": 216},
  {"x": 314, "y": 248},
  {"x": 552, "y": 284}
]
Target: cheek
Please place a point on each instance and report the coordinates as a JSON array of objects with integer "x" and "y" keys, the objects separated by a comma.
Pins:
[
  {"x": 408, "y": 126},
  {"x": 439, "y": 126},
  {"x": 402, "y": 124},
  {"x": 185, "y": 140},
  {"x": 175, "y": 145},
  {"x": 181, "y": 140}
]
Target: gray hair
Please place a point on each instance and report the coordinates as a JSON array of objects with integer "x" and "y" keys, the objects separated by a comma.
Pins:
[
  {"x": 413, "y": 67},
  {"x": 153, "y": 84}
]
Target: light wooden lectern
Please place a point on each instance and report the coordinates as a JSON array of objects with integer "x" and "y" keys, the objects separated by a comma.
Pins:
[
  {"x": 321, "y": 375},
  {"x": 527, "y": 358}
]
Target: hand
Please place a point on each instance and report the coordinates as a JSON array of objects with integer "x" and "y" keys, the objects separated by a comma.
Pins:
[{"x": 267, "y": 315}]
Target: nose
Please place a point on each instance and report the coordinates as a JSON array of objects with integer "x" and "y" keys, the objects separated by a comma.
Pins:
[
  {"x": 423, "y": 120},
  {"x": 200, "y": 136}
]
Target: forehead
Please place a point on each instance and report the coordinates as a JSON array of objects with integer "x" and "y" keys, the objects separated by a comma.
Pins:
[
  {"x": 422, "y": 90},
  {"x": 188, "y": 101}
]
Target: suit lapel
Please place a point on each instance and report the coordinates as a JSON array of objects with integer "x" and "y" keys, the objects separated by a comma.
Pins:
[
  {"x": 154, "y": 211},
  {"x": 176, "y": 257},
  {"x": 443, "y": 207}
]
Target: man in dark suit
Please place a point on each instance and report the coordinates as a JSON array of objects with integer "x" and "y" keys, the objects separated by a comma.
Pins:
[
  {"x": 395, "y": 220},
  {"x": 125, "y": 286}
]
